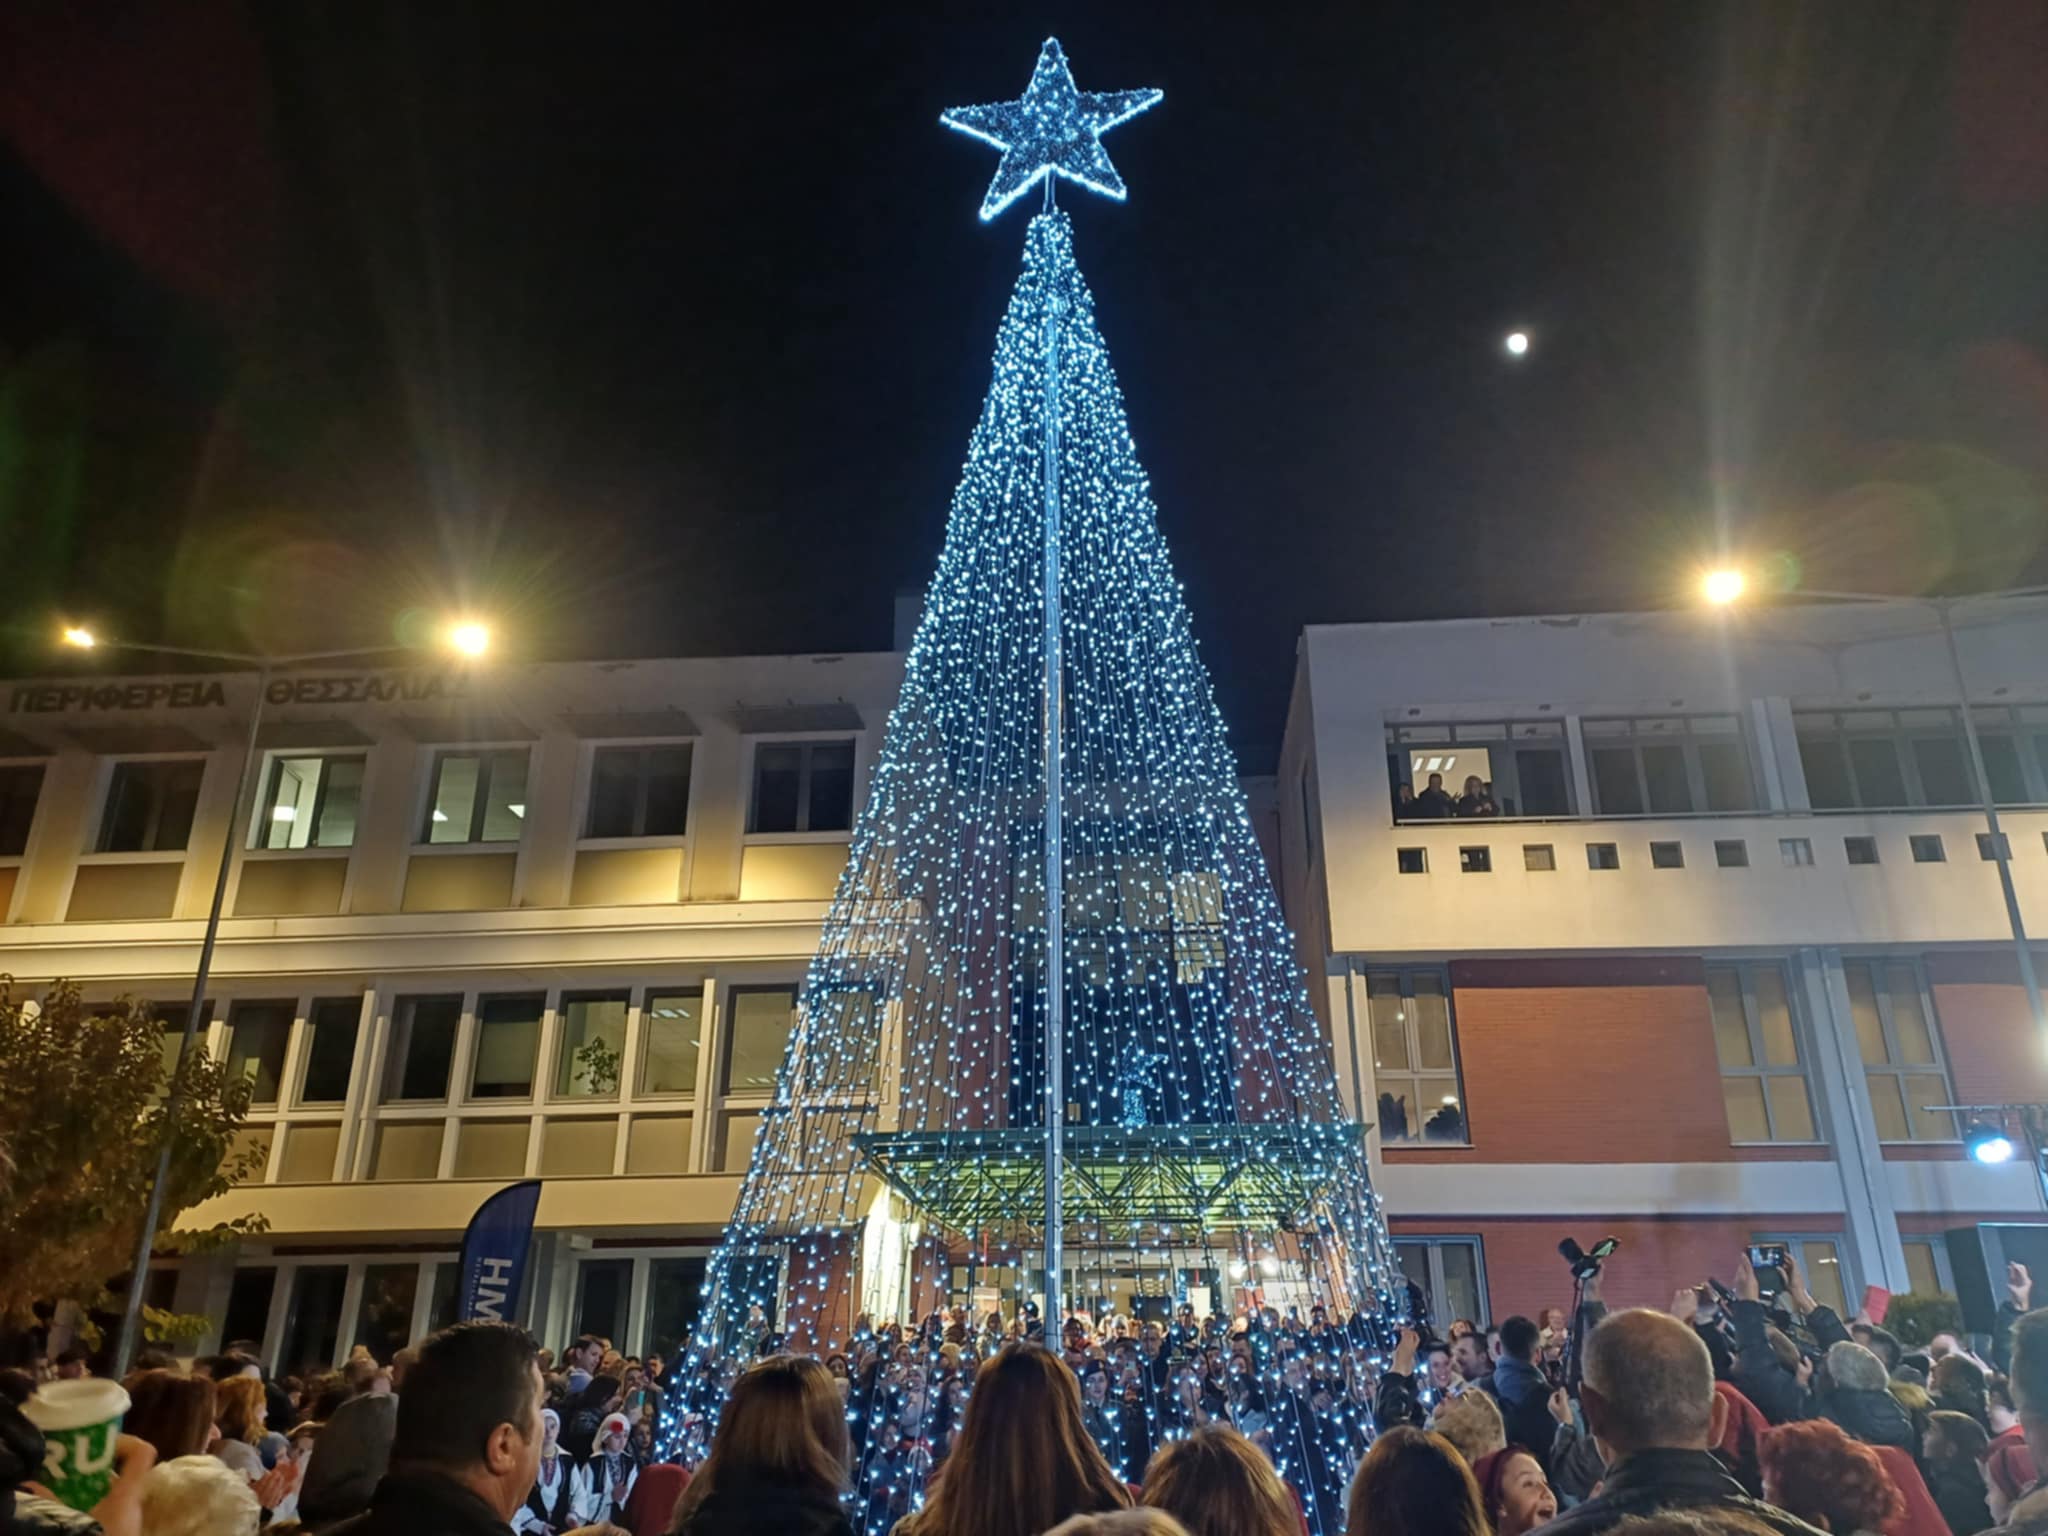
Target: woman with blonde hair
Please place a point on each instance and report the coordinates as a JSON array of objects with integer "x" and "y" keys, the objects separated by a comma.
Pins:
[
  {"x": 1414, "y": 1483},
  {"x": 1217, "y": 1483},
  {"x": 238, "y": 1410},
  {"x": 1023, "y": 1462},
  {"x": 778, "y": 1464}
]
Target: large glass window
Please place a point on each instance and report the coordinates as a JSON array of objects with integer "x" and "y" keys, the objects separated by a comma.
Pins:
[
  {"x": 21, "y": 785},
  {"x": 330, "y": 1049},
  {"x": 1415, "y": 1057},
  {"x": 673, "y": 1297},
  {"x": 1451, "y": 1274},
  {"x": 671, "y": 1035},
  {"x": 384, "y": 1316},
  {"x": 802, "y": 786},
  {"x": 639, "y": 792},
  {"x": 1902, "y": 1063},
  {"x": 312, "y": 1319},
  {"x": 758, "y": 1022},
  {"x": 1763, "y": 1071},
  {"x": 421, "y": 1048},
  {"x": 1821, "y": 1259},
  {"x": 1519, "y": 764},
  {"x": 257, "y": 1033},
  {"x": 603, "y": 1287},
  {"x": 477, "y": 797},
  {"x": 150, "y": 805},
  {"x": 310, "y": 802},
  {"x": 592, "y": 1047},
  {"x": 1669, "y": 765},
  {"x": 1884, "y": 759},
  {"x": 507, "y": 1045}
]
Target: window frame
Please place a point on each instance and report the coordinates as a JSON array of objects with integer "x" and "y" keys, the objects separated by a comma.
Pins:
[
  {"x": 1903, "y": 735},
  {"x": 1413, "y": 1075},
  {"x": 1435, "y": 1243},
  {"x": 41, "y": 768},
  {"x": 110, "y": 775},
  {"x": 1681, "y": 731},
  {"x": 423, "y": 818},
  {"x": 639, "y": 745},
  {"x": 1894, "y": 1066},
  {"x": 1503, "y": 739},
  {"x": 260, "y": 818},
  {"x": 1760, "y": 1068},
  {"x": 808, "y": 743},
  {"x": 1852, "y": 1292}
]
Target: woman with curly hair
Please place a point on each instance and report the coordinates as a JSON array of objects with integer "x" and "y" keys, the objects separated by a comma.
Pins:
[
  {"x": 1816, "y": 1472},
  {"x": 238, "y": 1406}
]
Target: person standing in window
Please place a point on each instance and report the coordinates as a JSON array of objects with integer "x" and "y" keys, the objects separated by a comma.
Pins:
[
  {"x": 1434, "y": 803},
  {"x": 1477, "y": 800}
]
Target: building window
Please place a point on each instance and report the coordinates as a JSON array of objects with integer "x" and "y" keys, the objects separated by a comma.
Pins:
[
  {"x": 1796, "y": 852},
  {"x": 1667, "y": 856},
  {"x": 1902, "y": 1063},
  {"x": 1821, "y": 1258},
  {"x": 507, "y": 1045},
  {"x": 1927, "y": 1265},
  {"x": 1763, "y": 1071},
  {"x": 330, "y": 1049},
  {"x": 1415, "y": 1057},
  {"x": 639, "y": 792},
  {"x": 257, "y": 1033},
  {"x": 1731, "y": 853},
  {"x": 21, "y": 785},
  {"x": 2015, "y": 745},
  {"x": 1927, "y": 848},
  {"x": 1883, "y": 759},
  {"x": 802, "y": 786},
  {"x": 1603, "y": 856},
  {"x": 1668, "y": 765},
  {"x": 1451, "y": 1274},
  {"x": 1475, "y": 861},
  {"x": 477, "y": 797},
  {"x": 671, "y": 1038},
  {"x": 150, "y": 805},
  {"x": 1539, "y": 856},
  {"x": 1412, "y": 861},
  {"x": 1860, "y": 850},
  {"x": 758, "y": 1023},
  {"x": 1990, "y": 848},
  {"x": 309, "y": 802},
  {"x": 421, "y": 1049},
  {"x": 1522, "y": 761},
  {"x": 592, "y": 1048}
]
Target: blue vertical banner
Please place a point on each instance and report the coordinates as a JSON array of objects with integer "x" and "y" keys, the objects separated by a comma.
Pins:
[{"x": 494, "y": 1254}]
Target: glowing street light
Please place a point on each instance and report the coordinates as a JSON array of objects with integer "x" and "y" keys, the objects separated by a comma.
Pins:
[
  {"x": 471, "y": 637},
  {"x": 1723, "y": 585},
  {"x": 1988, "y": 1144},
  {"x": 1517, "y": 343},
  {"x": 79, "y": 636}
]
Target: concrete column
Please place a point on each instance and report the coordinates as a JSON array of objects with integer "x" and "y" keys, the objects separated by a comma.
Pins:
[
  {"x": 1870, "y": 1223},
  {"x": 1575, "y": 754},
  {"x": 66, "y": 817},
  {"x": 1784, "y": 745},
  {"x": 386, "y": 832},
  {"x": 554, "y": 812}
]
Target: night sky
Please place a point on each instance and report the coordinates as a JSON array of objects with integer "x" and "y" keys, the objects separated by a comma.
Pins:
[{"x": 653, "y": 337}]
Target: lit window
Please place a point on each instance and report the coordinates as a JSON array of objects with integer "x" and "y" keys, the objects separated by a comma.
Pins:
[
  {"x": 671, "y": 1038},
  {"x": 1763, "y": 1070},
  {"x": 477, "y": 797},
  {"x": 21, "y": 785},
  {"x": 309, "y": 802},
  {"x": 1902, "y": 1063},
  {"x": 421, "y": 1049},
  {"x": 1521, "y": 763},
  {"x": 639, "y": 792},
  {"x": 150, "y": 805},
  {"x": 1415, "y": 1058},
  {"x": 802, "y": 786},
  {"x": 507, "y": 1044},
  {"x": 593, "y": 1041},
  {"x": 758, "y": 1024}
]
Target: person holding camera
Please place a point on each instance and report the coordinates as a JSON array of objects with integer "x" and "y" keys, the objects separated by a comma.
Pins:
[{"x": 1770, "y": 1369}]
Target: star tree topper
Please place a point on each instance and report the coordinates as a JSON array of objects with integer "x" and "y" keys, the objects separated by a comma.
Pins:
[{"x": 1052, "y": 129}]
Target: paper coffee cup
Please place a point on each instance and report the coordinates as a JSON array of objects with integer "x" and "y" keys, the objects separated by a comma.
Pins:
[{"x": 79, "y": 1420}]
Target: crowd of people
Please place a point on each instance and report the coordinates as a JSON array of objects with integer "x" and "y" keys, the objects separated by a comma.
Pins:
[
  {"x": 1436, "y": 803},
  {"x": 1742, "y": 1411}
]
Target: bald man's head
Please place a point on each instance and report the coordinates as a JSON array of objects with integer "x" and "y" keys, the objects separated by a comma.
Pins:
[{"x": 1649, "y": 1385}]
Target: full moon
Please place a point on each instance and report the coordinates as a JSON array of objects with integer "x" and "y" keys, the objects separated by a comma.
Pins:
[{"x": 1517, "y": 343}]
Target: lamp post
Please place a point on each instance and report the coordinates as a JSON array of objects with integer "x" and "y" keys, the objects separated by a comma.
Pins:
[
  {"x": 1726, "y": 586},
  {"x": 468, "y": 638}
]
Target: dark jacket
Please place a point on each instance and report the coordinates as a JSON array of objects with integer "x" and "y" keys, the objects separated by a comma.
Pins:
[
  {"x": 766, "y": 1511},
  {"x": 411, "y": 1503},
  {"x": 1758, "y": 1376},
  {"x": 1958, "y": 1489},
  {"x": 1524, "y": 1395},
  {"x": 1396, "y": 1401},
  {"x": 1653, "y": 1481},
  {"x": 1875, "y": 1418}
]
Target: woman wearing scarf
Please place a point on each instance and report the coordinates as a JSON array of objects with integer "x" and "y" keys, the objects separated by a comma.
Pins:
[
  {"x": 607, "y": 1478},
  {"x": 551, "y": 1508}
]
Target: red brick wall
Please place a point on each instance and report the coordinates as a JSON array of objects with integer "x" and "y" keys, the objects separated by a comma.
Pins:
[
  {"x": 1994, "y": 1056},
  {"x": 1598, "y": 1060},
  {"x": 1524, "y": 1273}
]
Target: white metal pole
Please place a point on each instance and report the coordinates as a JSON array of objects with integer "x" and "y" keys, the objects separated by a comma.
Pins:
[{"x": 1055, "y": 936}]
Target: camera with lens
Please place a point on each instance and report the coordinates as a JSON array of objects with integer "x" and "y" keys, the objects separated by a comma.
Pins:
[{"x": 1586, "y": 1264}]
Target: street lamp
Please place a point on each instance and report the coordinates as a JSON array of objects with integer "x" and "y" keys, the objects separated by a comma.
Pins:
[
  {"x": 1725, "y": 585},
  {"x": 467, "y": 637}
]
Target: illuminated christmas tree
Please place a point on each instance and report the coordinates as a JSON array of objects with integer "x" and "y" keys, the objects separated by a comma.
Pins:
[{"x": 1056, "y": 734}]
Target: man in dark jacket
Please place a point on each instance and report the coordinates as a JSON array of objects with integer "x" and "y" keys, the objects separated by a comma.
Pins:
[
  {"x": 1523, "y": 1389},
  {"x": 468, "y": 1441},
  {"x": 1650, "y": 1402},
  {"x": 1769, "y": 1370},
  {"x": 1860, "y": 1400}
]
